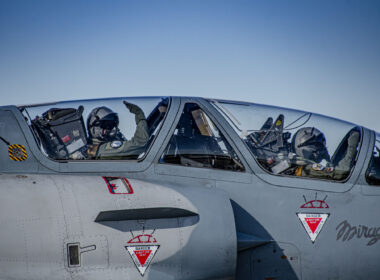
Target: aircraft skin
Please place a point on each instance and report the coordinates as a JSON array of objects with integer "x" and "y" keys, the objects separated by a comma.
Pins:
[{"x": 62, "y": 220}]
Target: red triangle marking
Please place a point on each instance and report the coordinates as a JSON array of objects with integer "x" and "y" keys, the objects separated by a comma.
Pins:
[
  {"x": 313, "y": 223},
  {"x": 142, "y": 255}
]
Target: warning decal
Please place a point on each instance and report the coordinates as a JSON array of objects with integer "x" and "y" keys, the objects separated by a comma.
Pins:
[
  {"x": 315, "y": 203},
  {"x": 142, "y": 249},
  {"x": 312, "y": 223},
  {"x": 118, "y": 185},
  {"x": 17, "y": 152},
  {"x": 143, "y": 238},
  {"x": 142, "y": 256}
]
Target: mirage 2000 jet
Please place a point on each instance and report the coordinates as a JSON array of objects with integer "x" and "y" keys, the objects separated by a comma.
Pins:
[{"x": 186, "y": 188}]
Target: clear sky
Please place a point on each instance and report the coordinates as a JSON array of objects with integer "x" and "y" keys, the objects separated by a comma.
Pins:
[{"x": 315, "y": 55}]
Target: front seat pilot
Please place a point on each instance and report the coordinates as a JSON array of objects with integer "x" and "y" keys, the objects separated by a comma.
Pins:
[
  {"x": 108, "y": 142},
  {"x": 310, "y": 144}
]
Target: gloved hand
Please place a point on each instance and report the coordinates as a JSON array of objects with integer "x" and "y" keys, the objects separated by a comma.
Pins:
[{"x": 134, "y": 109}]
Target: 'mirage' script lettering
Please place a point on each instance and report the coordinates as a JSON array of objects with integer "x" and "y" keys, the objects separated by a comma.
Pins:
[{"x": 346, "y": 232}]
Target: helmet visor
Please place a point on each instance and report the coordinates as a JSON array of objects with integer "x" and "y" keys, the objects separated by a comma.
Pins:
[
  {"x": 107, "y": 124},
  {"x": 319, "y": 141}
]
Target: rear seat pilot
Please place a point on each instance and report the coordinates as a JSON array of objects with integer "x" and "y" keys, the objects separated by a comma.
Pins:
[{"x": 107, "y": 140}]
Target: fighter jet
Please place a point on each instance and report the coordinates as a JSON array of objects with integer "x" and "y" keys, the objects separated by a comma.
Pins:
[{"x": 186, "y": 188}]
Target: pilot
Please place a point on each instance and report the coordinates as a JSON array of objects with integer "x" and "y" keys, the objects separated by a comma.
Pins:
[
  {"x": 309, "y": 144},
  {"x": 107, "y": 140},
  {"x": 102, "y": 124}
]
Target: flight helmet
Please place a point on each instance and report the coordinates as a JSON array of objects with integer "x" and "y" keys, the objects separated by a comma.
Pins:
[
  {"x": 102, "y": 124},
  {"x": 310, "y": 143}
]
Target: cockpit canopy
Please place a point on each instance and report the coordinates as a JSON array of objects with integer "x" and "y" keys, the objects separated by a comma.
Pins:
[
  {"x": 283, "y": 141},
  {"x": 295, "y": 143},
  {"x": 117, "y": 128}
]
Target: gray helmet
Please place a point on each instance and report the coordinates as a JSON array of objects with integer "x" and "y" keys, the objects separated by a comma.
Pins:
[
  {"x": 309, "y": 143},
  {"x": 102, "y": 124}
]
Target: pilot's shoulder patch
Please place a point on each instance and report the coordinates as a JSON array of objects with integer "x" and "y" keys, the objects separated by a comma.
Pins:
[{"x": 116, "y": 144}]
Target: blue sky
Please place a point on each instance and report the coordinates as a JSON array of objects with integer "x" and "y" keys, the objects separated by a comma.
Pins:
[{"x": 321, "y": 56}]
